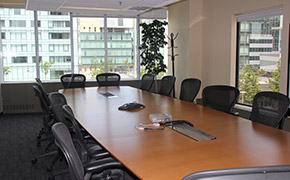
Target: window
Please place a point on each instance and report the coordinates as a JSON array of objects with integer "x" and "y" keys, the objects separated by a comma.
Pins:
[
  {"x": 59, "y": 24},
  {"x": 92, "y": 47},
  {"x": 55, "y": 42},
  {"x": 16, "y": 48},
  {"x": 58, "y": 35},
  {"x": 38, "y": 23},
  {"x": 17, "y": 11},
  {"x": 19, "y": 59},
  {"x": 34, "y": 60},
  {"x": 121, "y": 52},
  {"x": 259, "y": 53},
  {"x": 17, "y": 23},
  {"x": 59, "y": 59},
  {"x": 2, "y": 23},
  {"x": 58, "y": 13},
  {"x": 92, "y": 50},
  {"x": 3, "y": 35}
]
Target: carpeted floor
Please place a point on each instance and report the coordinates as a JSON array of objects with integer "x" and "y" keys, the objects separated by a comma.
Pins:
[{"x": 18, "y": 147}]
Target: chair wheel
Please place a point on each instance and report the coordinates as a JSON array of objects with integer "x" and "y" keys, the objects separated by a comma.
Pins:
[
  {"x": 38, "y": 144},
  {"x": 49, "y": 168},
  {"x": 34, "y": 161}
]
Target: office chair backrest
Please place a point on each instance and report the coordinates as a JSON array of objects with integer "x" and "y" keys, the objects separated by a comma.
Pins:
[
  {"x": 166, "y": 86},
  {"x": 189, "y": 89},
  {"x": 250, "y": 173},
  {"x": 42, "y": 90},
  {"x": 68, "y": 113},
  {"x": 108, "y": 79},
  {"x": 44, "y": 105},
  {"x": 269, "y": 108},
  {"x": 57, "y": 100},
  {"x": 73, "y": 81},
  {"x": 38, "y": 80},
  {"x": 147, "y": 82},
  {"x": 220, "y": 97},
  {"x": 64, "y": 141}
]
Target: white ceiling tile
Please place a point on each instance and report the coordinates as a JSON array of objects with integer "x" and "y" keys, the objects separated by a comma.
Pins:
[{"x": 126, "y": 8}]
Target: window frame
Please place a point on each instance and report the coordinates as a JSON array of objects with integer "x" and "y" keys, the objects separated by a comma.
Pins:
[
  {"x": 237, "y": 70},
  {"x": 35, "y": 37}
]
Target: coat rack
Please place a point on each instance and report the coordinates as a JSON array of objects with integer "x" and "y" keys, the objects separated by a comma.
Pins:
[{"x": 172, "y": 38}]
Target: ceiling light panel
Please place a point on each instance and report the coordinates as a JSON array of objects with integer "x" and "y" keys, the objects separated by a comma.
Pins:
[
  {"x": 110, "y": 4},
  {"x": 51, "y": 5}
]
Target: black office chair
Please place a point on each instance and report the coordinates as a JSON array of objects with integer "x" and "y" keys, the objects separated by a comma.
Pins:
[
  {"x": 220, "y": 97},
  {"x": 47, "y": 116},
  {"x": 41, "y": 88},
  {"x": 108, "y": 79},
  {"x": 147, "y": 82},
  {"x": 269, "y": 108},
  {"x": 250, "y": 173},
  {"x": 189, "y": 89},
  {"x": 87, "y": 149},
  {"x": 57, "y": 100},
  {"x": 73, "y": 81},
  {"x": 38, "y": 80},
  {"x": 166, "y": 86},
  {"x": 45, "y": 134},
  {"x": 105, "y": 168}
]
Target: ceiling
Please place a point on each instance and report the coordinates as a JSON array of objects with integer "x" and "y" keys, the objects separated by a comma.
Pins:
[{"x": 112, "y": 8}]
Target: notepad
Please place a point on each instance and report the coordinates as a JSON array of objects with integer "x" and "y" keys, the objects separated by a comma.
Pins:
[{"x": 108, "y": 94}]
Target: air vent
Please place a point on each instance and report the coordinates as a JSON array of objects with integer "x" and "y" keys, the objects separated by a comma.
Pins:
[
  {"x": 139, "y": 8},
  {"x": 15, "y": 108}
]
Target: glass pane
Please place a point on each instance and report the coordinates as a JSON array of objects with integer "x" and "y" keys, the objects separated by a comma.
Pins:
[
  {"x": 90, "y": 48},
  {"x": 259, "y": 57},
  {"x": 54, "y": 45},
  {"x": 121, "y": 43},
  {"x": 17, "y": 45}
]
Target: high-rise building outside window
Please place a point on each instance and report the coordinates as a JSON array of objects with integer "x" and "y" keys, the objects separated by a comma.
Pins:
[
  {"x": 259, "y": 53},
  {"x": 17, "y": 45},
  {"x": 55, "y": 43},
  {"x": 90, "y": 47},
  {"x": 93, "y": 52}
]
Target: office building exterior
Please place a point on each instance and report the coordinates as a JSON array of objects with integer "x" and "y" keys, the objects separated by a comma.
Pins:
[{"x": 54, "y": 45}]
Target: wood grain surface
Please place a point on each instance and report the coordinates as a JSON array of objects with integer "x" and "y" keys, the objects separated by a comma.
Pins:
[{"x": 166, "y": 154}]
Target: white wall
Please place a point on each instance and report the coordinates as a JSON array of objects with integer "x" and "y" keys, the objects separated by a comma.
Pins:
[
  {"x": 186, "y": 19},
  {"x": 207, "y": 38}
]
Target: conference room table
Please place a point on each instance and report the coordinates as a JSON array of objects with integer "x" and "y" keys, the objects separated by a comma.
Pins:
[{"x": 167, "y": 154}]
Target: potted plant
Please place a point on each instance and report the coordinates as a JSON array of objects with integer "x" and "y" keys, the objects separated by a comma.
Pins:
[{"x": 153, "y": 39}]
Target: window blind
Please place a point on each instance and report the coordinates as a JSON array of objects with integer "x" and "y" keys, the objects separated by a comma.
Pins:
[{"x": 260, "y": 14}]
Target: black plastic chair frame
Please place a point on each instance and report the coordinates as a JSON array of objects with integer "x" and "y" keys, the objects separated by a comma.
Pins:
[
  {"x": 249, "y": 173},
  {"x": 73, "y": 81},
  {"x": 108, "y": 79}
]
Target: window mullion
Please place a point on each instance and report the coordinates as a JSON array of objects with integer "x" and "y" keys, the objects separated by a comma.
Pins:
[
  {"x": 106, "y": 42},
  {"x": 137, "y": 56},
  {"x": 72, "y": 43},
  {"x": 36, "y": 44}
]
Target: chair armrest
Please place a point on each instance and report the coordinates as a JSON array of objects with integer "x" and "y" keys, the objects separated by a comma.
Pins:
[{"x": 235, "y": 113}]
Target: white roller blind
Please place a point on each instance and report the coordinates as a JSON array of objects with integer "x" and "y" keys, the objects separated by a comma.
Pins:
[{"x": 260, "y": 14}]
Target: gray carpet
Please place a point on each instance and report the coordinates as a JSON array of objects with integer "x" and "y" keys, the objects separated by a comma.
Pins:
[{"x": 18, "y": 147}]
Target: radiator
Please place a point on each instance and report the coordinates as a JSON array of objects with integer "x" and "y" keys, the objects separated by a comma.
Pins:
[{"x": 20, "y": 108}]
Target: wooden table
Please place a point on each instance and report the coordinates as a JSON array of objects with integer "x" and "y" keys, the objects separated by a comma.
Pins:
[{"x": 166, "y": 154}]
